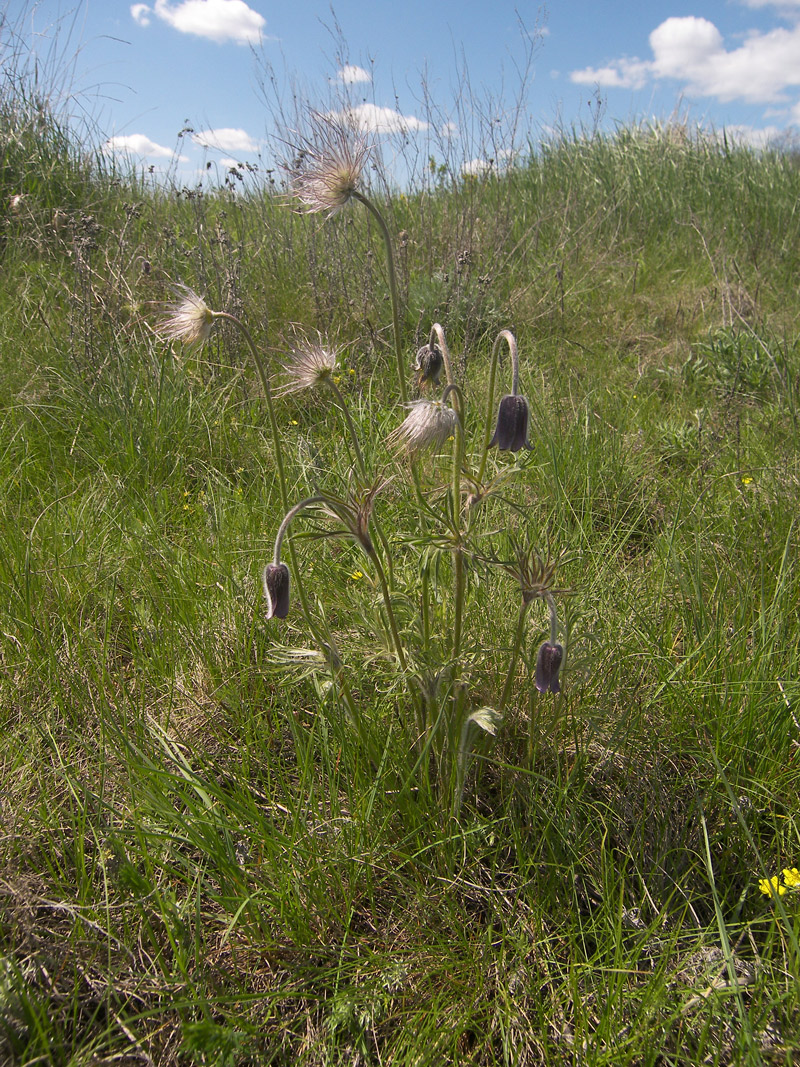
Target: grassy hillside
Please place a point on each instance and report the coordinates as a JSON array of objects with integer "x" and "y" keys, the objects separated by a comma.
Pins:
[{"x": 362, "y": 834}]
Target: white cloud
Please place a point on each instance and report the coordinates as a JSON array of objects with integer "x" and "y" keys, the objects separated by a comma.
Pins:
[
  {"x": 226, "y": 139},
  {"x": 755, "y": 138},
  {"x": 691, "y": 50},
  {"x": 140, "y": 14},
  {"x": 137, "y": 144},
  {"x": 352, "y": 75},
  {"x": 622, "y": 74},
  {"x": 373, "y": 119},
  {"x": 477, "y": 167},
  {"x": 217, "y": 20}
]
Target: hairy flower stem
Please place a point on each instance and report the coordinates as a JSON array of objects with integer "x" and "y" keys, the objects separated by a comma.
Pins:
[
  {"x": 551, "y": 606},
  {"x": 336, "y": 672},
  {"x": 340, "y": 403},
  {"x": 277, "y": 447},
  {"x": 438, "y": 333},
  {"x": 515, "y": 650},
  {"x": 287, "y": 518},
  {"x": 390, "y": 267},
  {"x": 273, "y": 422},
  {"x": 510, "y": 339},
  {"x": 387, "y": 602},
  {"x": 458, "y": 558},
  {"x": 362, "y": 467}
]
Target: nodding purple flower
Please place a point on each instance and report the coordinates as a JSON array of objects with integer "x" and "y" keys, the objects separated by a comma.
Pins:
[
  {"x": 511, "y": 432},
  {"x": 276, "y": 590},
  {"x": 429, "y": 364},
  {"x": 548, "y": 664}
]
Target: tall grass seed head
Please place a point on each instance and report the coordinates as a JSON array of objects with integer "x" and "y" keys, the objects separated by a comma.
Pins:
[
  {"x": 188, "y": 320},
  {"x": 428, "y": 364},
  {"x": 428, "y": 424},
  {"x": 276, "y": 590},
  {"x": 327, "y": 167},
  {"x": 548, "y": 664},
  {"x": 511, "y": 431},
  {"x": 308, "y": 366}
]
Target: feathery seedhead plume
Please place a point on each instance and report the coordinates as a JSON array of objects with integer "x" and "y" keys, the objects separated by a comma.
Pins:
[
  {"x": 328, "y": 163},
  {"x": 276, "y": 590},
  {"x": 548, "y": 664},
  {"x": 511, "y": 431},
  {"x": 188, "y": 319},
  {"x": 427, "y": 425},
  {"x": 428, "y": 364},
  {"x": 308, "y": 366}
]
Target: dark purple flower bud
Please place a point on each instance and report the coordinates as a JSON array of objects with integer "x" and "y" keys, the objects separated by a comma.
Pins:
[
  {"x": 511, "y": 432},
  {"x": 276, "y": 590},
  {"x": 548, "y": 663},
  {"x": 429, "y": 364}
]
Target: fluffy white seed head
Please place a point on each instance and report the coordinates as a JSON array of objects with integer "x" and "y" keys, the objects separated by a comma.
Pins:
[
  {"x": 308, "y": 366},
  {"x": 427, "y": 425},
  {"x": 188, "y": 319},
  {"x": 327, "y": 165}
]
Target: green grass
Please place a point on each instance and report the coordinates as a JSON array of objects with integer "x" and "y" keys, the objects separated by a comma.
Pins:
[{"x": 201, "y": 861}]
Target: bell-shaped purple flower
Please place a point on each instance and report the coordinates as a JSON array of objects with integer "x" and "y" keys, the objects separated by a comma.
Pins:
[
  {"x": 276, "y": 590},
  {"x": 548, "y": 663},
  {"x": 511, "y": 432}
]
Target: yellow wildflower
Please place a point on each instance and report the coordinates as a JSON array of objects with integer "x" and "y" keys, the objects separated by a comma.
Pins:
[{"x": 780, "y": 884}]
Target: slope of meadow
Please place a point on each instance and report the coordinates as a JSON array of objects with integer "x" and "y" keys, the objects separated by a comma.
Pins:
[{"x": 229, "y": 839}]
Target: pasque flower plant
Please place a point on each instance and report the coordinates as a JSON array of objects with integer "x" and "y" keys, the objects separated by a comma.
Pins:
[{"x": 431, "y": 641}]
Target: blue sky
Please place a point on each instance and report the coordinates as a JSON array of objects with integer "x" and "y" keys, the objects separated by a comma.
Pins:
[{"x": 148, "y": 68}]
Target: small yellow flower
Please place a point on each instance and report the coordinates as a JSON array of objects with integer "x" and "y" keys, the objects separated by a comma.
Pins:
[
  {"x": 356, "y": 575},
  {"x": 337, "y": 379},
  {"x": 351, "y": 372},
  {"x": 747, "y": 481},
  {"x": 293, "y": 422},
  {"x": 780, "y": 884}
]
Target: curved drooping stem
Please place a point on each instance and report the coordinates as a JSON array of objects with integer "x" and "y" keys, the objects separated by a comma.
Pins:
[
  {"x": 511, "y": 341},
  {"x": 340, "y": 403},
  {"x": 515, "y": 649},
  {"x": 287, "y": 518},
  {"x": 438, "y": 333},
  {"x": 390, "y": 267},
  {"x": 273, "y": 422},
  {"x": 551, "y": 606}
]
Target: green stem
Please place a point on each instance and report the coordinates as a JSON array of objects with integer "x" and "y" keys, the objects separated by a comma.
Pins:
[
  {"x": 508, "y": 336},
  {"x": 551, "y": 606},
  {"x": 438, "y": 332},
  {"x": 340, "y": 402},
  {"x": 387, "y": 240},
  {"x": 512, "y": 663},
  {"x": 273, "y": 422},
  {"x": 287, "y": 518},
  {"x": 398, "y": 644}
]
